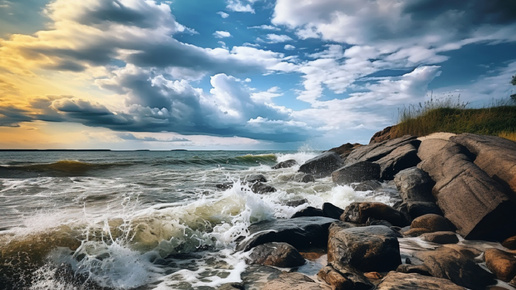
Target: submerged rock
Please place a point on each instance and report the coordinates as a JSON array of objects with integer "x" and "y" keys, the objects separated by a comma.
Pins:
[
  {"x": 276, "y": 254},
  {"x": 372, "y": 248},
  {"x": 322, "y": 165}
]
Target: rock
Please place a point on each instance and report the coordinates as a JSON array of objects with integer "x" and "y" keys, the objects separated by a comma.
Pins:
[
  {"x": 392, "y": 155},
  {"x": 302, "y": 233},
  {"x": 418, "y": 269},
  {"x": 440, "y": 237},
  {"x": 276, "y": 254},
  {"x": 373, "y": 248},
  {"x": 385, "y": 134},
  {"x": 366, "y": 185},
  {"x": 332, "y": 211},
  {"x": 322, "y": 165},
  {"x": 452, "y": 264},
  {"x": 415, "y": 232},
  {"x": 360, "y": 212},
  {"x": 501, "y": 263},
  {"x": 357, "y": 172},
  {"x": 293, "y": 281},
  {"x": 224, "y": 186},
  {"x": 414, "y": 185},
  {"x": 303, "y": 177},
  {"x": 261, "y": 188},
  {"x": 309, "y": 211},
  {"x": 476, "y": 204},
  {"x": 494, "y": 155},
  {"x": 296, "y": 202},
  {"x": 400, "y": 158},
  {"x": 255, "y": 178},
  {"x": 432, "y": 222},
  {"x": 418, "y": 208},
  {"x": 285, "y": 164},
  {"x": 344, "y": 278},
  {"x": 373, "y": 275},
  {"x": 413, "y": 281},
  {"x": 345, "y": 149},
  {"x": 510, "y": 243}
]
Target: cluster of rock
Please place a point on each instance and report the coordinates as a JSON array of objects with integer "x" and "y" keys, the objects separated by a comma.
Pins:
[{"x": 462, "y": 186}]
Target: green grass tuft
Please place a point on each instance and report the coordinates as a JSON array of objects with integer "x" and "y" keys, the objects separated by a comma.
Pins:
[{"x": 449, "y": 116}]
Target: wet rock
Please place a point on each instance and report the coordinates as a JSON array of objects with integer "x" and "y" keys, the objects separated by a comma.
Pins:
[
  {"x": 494, "y": 155},
  {"x": 418, "y": 208},
  {"x": 332, "y": 211},
  {"x": 296, "y": 202},
  {"x": 414, "y": 185},
  {"x": 416, "y": 232},
  {"x": 255, "y": 178},
  {"x": 477, "y": 205},
  {"x": 224, "y": 186},
  {"x": 373, "y": 248},
  {"x": 293, "y": 281},
  {"x": 418, "y": 269},
  {"x": 276, "y": 254},
  {"x": 501, "y": 263},
  {"x": 344, "y": 278},
  {"x": 262, "y": 188},
  {"x": 303, "y": 177},
  {"x": 285, "y": 164},
  {"x": 456, "y": 266},
  {"x": 322, "y": 165},
  {"x": 441, "y": 237},
  {"x": 302, "y": 233},
  {"x": 510, "y": 243},
  {"x": 309, "y": 211},
  {"x": 366, "y": 185},
  {"x": 432, "y": 222},
  {"x": 360, "y": 212},
  {"x": 413, "y": 281},
  {"x": 357, "y": 172}
]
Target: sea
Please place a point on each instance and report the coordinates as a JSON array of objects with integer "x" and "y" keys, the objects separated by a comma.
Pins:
[{"x": 146, "y": 219}]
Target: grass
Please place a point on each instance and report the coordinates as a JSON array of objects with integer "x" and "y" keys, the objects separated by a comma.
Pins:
[{"x": 454, "y": 116}]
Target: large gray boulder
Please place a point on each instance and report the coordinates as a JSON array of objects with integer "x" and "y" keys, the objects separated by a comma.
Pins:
[
  {"x": 372, "y": 248},
  {"x": 414, "y": 185},
  {"x": 413, "y": 281},
  {"x": 392, "y": 155},
  {"x": 357, "y": 172},
  {"x": 476, "y": 204},
  {"x": 322, "y": 165},
  {"x": 494, "y": 155},
  {"x": 301, "y": 232}
]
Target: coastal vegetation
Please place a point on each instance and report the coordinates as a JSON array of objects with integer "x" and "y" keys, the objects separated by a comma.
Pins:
[{"x": 454, "y": 116}]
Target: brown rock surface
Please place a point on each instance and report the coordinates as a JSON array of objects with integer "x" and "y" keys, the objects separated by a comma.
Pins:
[
  {"x": 360, "y": 212},
  {"x": 510, "y": 243},
  {"x": 440, "y": 237},
  {"x": 293, "y": 281},
  {"x": 276, "y": 254},
  {"x": 501, "y": 263},
  {"x": 345, "y": 278},
  {"x": 413, "y": 281},
  {"x": 432, "y": 222}
]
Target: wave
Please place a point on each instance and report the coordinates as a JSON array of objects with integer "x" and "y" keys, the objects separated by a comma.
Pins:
[{"x": 59, "y": 168}]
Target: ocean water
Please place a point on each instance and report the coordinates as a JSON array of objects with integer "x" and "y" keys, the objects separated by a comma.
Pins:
[{"x": 143, "y": 219}]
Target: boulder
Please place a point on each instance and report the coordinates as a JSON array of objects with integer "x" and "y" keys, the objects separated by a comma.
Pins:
[
  {"x": 494, "y": 155},
  {"x": 322, "y": 165},
  {"x": 457, "y": 266},
  {"x": 332, "y": 211},
  {"x": 357, "y": 172},
  {"x": 386, "y": 134},
  {"x": 303, "y": 177},
  {"x": 309, "y": 211},
  {"x": 360, "y": 212},
  {"x": 418, "y": 208},
  {"x": 444, "y": 237},
  {"x": 415, "y": 232},
  {"x": 431, "y": 222},
  {"x": 377, "y": 151},
  {"x": 262, "y": 188},
  {"x": 344, "y": 149},
  {"x": 510, "y": 243},
  {"x": 501, "y": 263},
  {"x": 293, "y": 281},
  {"x": 344, "y": 278},
  {"x": 402, "y": 157},
  {"x": 477, "y": 205},
  {"x": 276, "y": 254},
  {"x": 414, "y": 185},
  {"x": 396, "y": 281},
  {"x": 285, "y": 164},
  {"x": 366, "y": 185},
  {"x": 302, "y": 233},
  {"x": 252, "y": 178},
  {"x": 373, "y": 248}
]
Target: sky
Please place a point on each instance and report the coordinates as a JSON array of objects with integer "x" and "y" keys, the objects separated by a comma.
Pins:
[{"x": 240, "y": 74}]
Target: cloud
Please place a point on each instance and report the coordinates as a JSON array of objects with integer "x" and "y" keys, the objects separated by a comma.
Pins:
[
  {"x": 289, "y": 47},
  {"x": 266, "y": 27},
  {"x": 223, "y": 14},
  {"x": 131, "y": 136},
  {"x": 240, "y": 5},
  {"x": 221, "y": 34},
  {"x": 277, "y": 38}
]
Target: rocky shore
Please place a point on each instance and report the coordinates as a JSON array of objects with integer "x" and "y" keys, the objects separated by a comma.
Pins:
[{"x": 458, "y": 195}]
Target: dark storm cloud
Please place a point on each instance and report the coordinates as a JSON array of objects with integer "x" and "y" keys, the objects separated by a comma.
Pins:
[{"x": 11, "y": 116}]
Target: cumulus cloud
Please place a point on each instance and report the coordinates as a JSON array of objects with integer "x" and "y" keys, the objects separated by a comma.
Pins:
[
  {"x": 277, "y": 38},
  {"x": 223, "y": 14},
  {"x": 221, "y": 34},
  {"x": 240, "y": 5}
]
